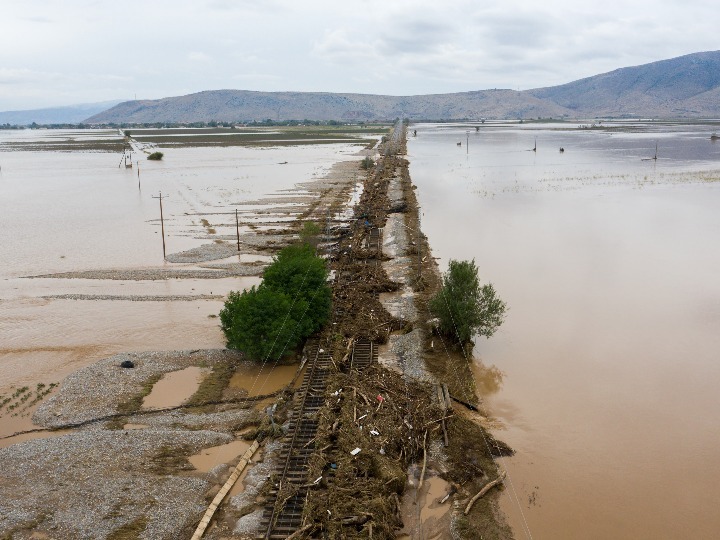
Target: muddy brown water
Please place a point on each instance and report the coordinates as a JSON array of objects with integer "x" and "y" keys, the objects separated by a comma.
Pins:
[
  {"x": 74, "y": 211},
  {"x": 605, "y": 373},
  {"x": 175, "y": 388},
  {"x": 261, "y": 380}
]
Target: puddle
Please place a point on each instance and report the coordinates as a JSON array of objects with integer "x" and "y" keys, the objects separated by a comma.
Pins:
[
  {"x": 259, "y": 381},
  {"x": 174, "y": 388},
  {"x": 239, "y": 486},
  {"x": 436, "y": 488},
  {"x": 135, "y": 426},
  {"x": 215, "y": 455},
  {"x": 423, "y": 515}
]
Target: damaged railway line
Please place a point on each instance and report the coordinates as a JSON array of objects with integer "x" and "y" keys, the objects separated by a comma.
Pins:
[{"x": 358, "y": 429}]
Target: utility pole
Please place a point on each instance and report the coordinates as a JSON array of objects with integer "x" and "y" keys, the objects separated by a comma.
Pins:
[
  {"x": 418, "y": 236},
  {"x": 467, "y": 141},
  {"x": 162, "y": 222},
  {"x": 237, "y": 228}
]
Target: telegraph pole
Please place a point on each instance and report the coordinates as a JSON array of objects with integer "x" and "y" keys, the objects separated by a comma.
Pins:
[
  {"x": 237, "y": 228},
  {"x": 162, "y": 222}
]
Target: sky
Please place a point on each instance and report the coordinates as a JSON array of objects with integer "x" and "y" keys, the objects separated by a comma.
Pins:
[{"x": 61, "y": 53}]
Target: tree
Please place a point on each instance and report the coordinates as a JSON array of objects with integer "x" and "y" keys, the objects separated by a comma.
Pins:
[
  {"x": 292, "y": 302},
  {"x": 261, "y": 322},
  {"x": 310, "y": 234},
  {"x": 299, "y": 273},
  {"x": 463, "y": 307}
]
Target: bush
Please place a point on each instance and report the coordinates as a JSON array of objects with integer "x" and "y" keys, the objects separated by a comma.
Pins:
[
  {"x": 261, "y": 322},
  {"x": 367, "y": 163},
  {"x": 310, "y": 234},
  {"x": 463, "y": 307},
  {"x": 292, "y": 302},
  {"x": 299, "y": 273},
  {"x": 156, "y": 156}
]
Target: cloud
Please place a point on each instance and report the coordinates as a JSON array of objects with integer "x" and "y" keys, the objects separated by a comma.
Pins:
[
  {"x": 400, "y": 47},
  {"x": 196, "y": 56}
]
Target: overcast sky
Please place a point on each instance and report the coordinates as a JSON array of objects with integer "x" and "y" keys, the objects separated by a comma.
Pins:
[{"x": 65, "y": 52}]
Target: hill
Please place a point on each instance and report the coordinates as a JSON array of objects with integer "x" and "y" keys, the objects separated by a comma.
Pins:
[
  {"x": 244, "y": 105},
  {"x": 71, "y": 114},
  {"x": 686, "y": 86}
]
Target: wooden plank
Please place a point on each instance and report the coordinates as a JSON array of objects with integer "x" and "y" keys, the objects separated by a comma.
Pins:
[{"x": 205, "y": 521}]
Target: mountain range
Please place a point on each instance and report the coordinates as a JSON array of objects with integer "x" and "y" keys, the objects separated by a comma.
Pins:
[
  {"x": 683, "y": 87},
  {"x": 70, "y": 114}
]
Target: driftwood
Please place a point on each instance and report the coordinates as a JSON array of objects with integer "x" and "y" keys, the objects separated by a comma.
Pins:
[
  {"x": 300, "y": 531},
  {"x": 422, "y": 473},
  {"x": 484, "y": 490},
  {"x": 356, "y": 520},
  {"x": 468, "y": 405}
]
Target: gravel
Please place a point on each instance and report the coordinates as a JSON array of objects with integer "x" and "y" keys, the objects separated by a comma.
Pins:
[
  {"x": 95, "y": 391},
  {"x": 204, "y": 253},
  {"x": 256, "y": 477},
  {"x": 136, "y": 297},
  {"x": 90, "y": 483},
  {"x": 404, "y": 352},
  {"x": 152, "y": 274}
]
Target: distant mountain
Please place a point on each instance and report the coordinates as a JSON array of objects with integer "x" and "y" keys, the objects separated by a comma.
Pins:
[
  {"x": 71, "y": 114},
  {"x": 687, "y": 86},
  {"x": 244, "y": 105}
]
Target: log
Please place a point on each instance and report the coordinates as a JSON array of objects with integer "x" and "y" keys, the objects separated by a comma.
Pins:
[
  {"x": 484, "y": 490},
  {"x": 300, "y": 531},
  {"x": 422, "y": 473},
  {"x": 461, "y": 402}
]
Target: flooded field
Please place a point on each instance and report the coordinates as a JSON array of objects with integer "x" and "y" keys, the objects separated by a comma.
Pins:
[
  {"x": 604, "y": 375},
  {"x": 78, "y": 212}
]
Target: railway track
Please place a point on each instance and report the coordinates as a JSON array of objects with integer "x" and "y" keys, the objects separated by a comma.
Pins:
[
  {"x": 283, "y": 517},
  {"x": 284, "y": 509},
  {"x": 364, "y": 353}
]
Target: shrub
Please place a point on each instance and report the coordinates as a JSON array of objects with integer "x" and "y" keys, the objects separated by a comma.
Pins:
[
  {"x": 156, "y": 156},
  {"x": 367, "y": 163}
]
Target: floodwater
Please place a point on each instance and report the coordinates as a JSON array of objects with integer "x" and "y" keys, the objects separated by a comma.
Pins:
[
  {"x": 175, "y": 388},
  {"x": 605, "y": 373},
  {"x": 76, "y": 211},
  {"x": 265, "y": 379},
  {"x": 215, "y": 455}
]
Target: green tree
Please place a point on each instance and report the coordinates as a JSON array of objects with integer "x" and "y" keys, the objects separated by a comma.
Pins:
[
  {"x": 292, "y": 302},
  {"x": 299, "y": 273},
  {"x": 464, "y": 307},
  {"x": 261, "y": 322}
]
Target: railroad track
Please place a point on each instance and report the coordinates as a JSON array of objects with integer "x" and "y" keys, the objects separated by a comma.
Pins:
[
  {"x": 364, "y": 353},
  {"x": 282, "y": 518}
]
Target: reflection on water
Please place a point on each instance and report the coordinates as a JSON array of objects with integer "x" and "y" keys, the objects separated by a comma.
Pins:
[
  {"x": 488, "y": 379},
  {"x": 609, "y": 350}
]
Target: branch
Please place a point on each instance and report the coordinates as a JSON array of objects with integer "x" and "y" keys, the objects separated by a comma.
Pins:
[{"x": 484, "y": 490}]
